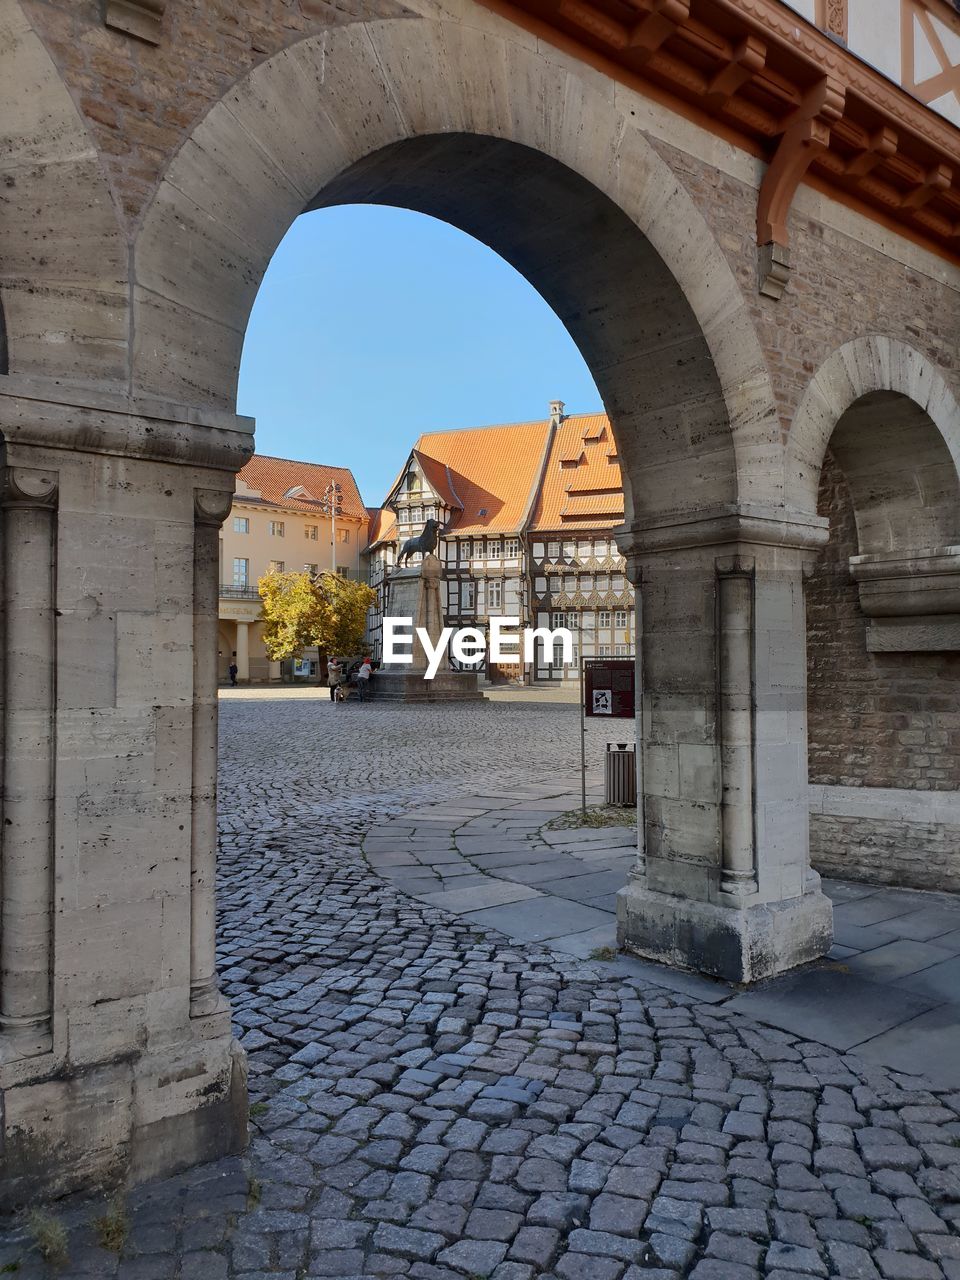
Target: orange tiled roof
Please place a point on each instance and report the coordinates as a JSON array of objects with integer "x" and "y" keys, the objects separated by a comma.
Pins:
[
  {"x": 492, "y": 471},
  {"x": 438, "y": 477},
  {"x": 383, "y": 526},
  {"x": 582, "y": 485},
  {"x": 273, "y": 478}
]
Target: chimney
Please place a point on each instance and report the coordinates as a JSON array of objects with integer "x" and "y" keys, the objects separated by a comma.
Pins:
[{"x": 556, "y": 412}]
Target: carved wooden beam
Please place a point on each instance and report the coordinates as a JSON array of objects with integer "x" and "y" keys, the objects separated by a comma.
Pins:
[
  {"x": 746, "y": 60},
  {"x": 806, "y": 134},
  {"x": 140, "y": 18},
  {"x": 935, "y": 180},
  {"x": 660, "y": 20},
  {"x": 881, "y": 146}
]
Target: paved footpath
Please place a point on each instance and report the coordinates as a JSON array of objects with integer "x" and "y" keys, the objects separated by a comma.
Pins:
[{"x": 433, "y": 1100}]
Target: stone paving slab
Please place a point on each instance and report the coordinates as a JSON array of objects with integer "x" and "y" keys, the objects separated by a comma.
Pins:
[
  {"x": 486, "y": 892},
  {"x": 935, "y": 1033},
  {"x": 830, "y": 1006},
  {"x": 541, "y": 918}
]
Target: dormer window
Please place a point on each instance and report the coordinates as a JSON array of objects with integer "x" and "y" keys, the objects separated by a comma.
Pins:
[{"x": 298, "y": 491}]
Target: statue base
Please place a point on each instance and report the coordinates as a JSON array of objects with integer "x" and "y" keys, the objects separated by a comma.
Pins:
[{"x": 405, "y": 684}]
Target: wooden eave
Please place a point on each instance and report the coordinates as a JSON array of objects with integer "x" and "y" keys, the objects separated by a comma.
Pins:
[{"x": 759, "y": 75}]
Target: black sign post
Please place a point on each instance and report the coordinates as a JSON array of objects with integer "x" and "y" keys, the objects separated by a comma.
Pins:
[{"x": 607, "y": 688}]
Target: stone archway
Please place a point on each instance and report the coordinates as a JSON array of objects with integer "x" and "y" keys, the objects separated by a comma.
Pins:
[
  {"x": 398, "y": 125},
  {"x": 866, "y": 366},
  {"x": 483, "y": 132},
  {"x": 877, "y": 441}
]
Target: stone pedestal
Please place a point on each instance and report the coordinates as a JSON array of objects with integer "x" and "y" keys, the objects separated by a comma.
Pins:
[
  {"x": 723, "y": 882},
  {"x": 414, "y": 592},
  {"x": 117, "y": 1059}
]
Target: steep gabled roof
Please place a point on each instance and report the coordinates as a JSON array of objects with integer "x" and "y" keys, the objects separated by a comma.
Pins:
[
  {"x": 438, "y": 477},
  {"x": 272, "y": 479},
  {"x": 382, "y": 527},
  {"x": 486, "y": 474},
  {"x": 582, "y": 483}
]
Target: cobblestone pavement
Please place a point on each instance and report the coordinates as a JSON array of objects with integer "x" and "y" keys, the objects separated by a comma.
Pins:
[{"x": 432, "y": 1101}]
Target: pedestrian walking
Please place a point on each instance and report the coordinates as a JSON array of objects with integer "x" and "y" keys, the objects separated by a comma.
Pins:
[
  {"x": 233, "y": 671},
  {"x": 334, "y": 676},
  {"x": 363, "y": 677}
]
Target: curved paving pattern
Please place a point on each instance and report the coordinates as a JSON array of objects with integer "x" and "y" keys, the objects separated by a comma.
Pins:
[{"x": 434, "y": 1101}]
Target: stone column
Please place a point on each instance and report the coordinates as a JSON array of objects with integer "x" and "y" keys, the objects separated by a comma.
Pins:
[
  {"x": 243, "y": 650},
  {"x": 724, "y": 884},
  {"x": 735, "y": 695},
  {"x": 212, "y": 507},
  {"x": 29, "y": 692}
]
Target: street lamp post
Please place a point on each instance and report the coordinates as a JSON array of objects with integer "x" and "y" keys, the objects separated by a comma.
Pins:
[{"x": 333, "y": 507}]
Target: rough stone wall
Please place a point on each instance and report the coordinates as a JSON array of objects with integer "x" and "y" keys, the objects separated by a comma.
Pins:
[
  {"x": 875, "y": 720},
  {"x": 140, "y": 101},
  {"x": 839, "y": 289}
]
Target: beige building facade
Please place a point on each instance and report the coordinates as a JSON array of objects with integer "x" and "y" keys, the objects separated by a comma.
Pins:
[
  {"x": 751, "y": 234},
  {"x": 290, "y": 517}
]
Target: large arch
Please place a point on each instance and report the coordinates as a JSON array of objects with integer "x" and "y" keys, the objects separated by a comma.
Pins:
[
  {"x": 63, "y": 261},
  {"x": 524, "y": 153}
]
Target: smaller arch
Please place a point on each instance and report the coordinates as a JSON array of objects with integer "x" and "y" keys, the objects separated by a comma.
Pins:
[
  {"x": 872, "y": 396},
  {"x": 903, "y": 482}
]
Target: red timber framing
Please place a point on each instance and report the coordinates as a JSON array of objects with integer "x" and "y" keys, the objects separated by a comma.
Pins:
[{"x": 756, "y": 73}]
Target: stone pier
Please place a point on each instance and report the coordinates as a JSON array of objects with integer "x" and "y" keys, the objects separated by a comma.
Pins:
[{"x": 116, "y": 1054}]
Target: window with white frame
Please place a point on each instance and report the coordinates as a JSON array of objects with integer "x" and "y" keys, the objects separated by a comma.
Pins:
[
  {"x": 621, "y": 650},
  {"x": 620, "y": 618},
  {"x": 494, "y": 595},
  {"x": 558, "y": 620},
  {"x": 569, "y": 549},
  {"x": 468, "y": 595},
  {"x": 241, "y": 573},
  {"x": 312, "y": 569},
  {"x": 311, "y": 532},
  {"x": 553, "y": 550},
  {"x": 241, "y": 524},
  {"x": 604, "y": 651},
  {"x": 603, "y": 618},
  {"x": 276, "y": 566},
  {"x": 495, "y": 549},
  {"x": 511, "y": 548},
  {"x": 343, "y": 535},
  {"x": 275, "y": 528}
]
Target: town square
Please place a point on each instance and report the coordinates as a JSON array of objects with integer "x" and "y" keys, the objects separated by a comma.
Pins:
[{"x": 480, "y": 639}]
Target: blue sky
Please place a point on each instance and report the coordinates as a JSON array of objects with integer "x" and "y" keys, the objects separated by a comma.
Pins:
[{"x": 374, "y": 324}]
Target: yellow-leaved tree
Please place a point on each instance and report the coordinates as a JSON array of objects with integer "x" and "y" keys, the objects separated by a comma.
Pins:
[{"x": 328, "y": 612}]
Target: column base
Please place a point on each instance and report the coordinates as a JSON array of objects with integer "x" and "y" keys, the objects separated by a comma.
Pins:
[
  {"x": 123, "y": 1121},
  {"x": 740, "y": 944}
]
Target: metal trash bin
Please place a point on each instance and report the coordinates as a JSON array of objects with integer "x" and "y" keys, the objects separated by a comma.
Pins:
[{"x": 620, "y": 774}]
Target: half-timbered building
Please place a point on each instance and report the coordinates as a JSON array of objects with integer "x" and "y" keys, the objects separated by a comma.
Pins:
[{"x": 527, "y": 511}]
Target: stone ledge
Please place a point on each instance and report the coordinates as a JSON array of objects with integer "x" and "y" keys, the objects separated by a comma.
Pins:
[
  {"x": 47, "y": 414},
  {"x": 886, "y": 804}
]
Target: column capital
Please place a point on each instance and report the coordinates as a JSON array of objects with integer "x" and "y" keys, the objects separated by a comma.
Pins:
[
  {"x": 28, "y": 487},
  {"x": 212, "y": 506},
  {"x": 728, "y": 533}
]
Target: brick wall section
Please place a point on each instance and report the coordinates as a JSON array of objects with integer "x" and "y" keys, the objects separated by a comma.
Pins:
[{"x": 875, "y": 720}]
